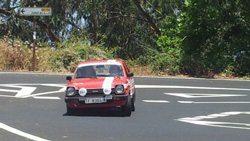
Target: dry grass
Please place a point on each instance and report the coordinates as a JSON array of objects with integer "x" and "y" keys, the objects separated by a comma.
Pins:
[
  {"x": 14, "y": 57},
  {"x": 147, "y": 71},
  {"x": 17, "y": 57},
  {"x": 137, "y": 70}
]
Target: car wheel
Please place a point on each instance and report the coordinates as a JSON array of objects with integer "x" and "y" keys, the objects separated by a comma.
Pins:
[
  {"x": 70, "y": 111},
  {"x": 127, "y": 108},
  {"x": 133, "y": 103}
]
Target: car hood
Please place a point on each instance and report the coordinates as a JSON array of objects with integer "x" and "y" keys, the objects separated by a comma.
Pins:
[{"x": 97, "y": 83}]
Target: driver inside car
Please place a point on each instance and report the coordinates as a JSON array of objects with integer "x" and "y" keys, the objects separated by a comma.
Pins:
[{"x": 86, "y": 72}]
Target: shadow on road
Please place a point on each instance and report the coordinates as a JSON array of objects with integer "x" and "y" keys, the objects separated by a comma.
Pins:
[{"x": 113, "y": 112}]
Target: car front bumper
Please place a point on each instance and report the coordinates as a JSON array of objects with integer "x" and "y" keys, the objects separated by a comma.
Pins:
[{"x": 117, "y": 100}]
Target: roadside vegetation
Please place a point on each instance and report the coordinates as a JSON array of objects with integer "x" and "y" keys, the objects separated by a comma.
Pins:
[
  {"x": 155, "y": 37},
  {"x": 16, "y": 56}
]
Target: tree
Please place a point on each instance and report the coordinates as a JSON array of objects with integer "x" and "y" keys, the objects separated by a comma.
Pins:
[
  {"x": 217, "y": 37},
  {"x": 128, "y": 28},
  {"x": 9, "y": 9}
]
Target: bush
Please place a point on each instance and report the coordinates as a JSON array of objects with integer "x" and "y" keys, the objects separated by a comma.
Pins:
[
  {"x": 168, "y": 59},
  {"x": 14, "y": 57},
  {"x": 217, "y": 38},
  {"x": 69, "y": 53},
  {"x": 62, "y": 59}
]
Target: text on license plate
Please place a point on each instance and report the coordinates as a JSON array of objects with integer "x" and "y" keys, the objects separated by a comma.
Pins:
[{"x": 95, "y": 100}]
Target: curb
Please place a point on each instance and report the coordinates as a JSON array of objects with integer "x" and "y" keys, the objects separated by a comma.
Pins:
[{"x": 150, "y": 76}]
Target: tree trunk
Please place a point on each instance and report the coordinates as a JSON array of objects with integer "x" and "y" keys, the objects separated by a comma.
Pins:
[{"x": 147, "y": 16}]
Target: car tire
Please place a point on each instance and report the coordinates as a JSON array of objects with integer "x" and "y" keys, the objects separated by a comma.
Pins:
[
  {"x": 133, "y": 103},
  {"x": 127, "y": 108},
  {"x": 70, "y": 111}
]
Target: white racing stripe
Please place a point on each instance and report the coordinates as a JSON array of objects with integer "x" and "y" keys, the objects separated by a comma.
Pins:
[
  {"x": 95, "y": 64},
  {"x": 107, "y": 83},
  {"x": 111, "y": 61},
  {"x": 21, "y": 133}
]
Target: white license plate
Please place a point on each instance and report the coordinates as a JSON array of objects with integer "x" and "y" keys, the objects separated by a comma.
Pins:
[
  {"x": 81, "y": 98},
  {"x": 95, "y": 100}
]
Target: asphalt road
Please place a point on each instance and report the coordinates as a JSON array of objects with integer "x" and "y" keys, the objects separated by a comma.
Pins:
[{"x": 167, "y": 109}]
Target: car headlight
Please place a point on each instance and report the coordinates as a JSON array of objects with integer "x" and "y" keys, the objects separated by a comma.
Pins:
[
  {"x": 82, "y": 92},
  {"x": 71, "y": 91},
  {"x": 119, "y": 89},
  {"x": 107, "y": 91}
]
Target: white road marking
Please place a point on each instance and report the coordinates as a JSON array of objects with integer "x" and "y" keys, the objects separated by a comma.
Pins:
[
  {"x": 25, "y": 91},
  {"x": 140, "y": 86},
  {"x": 21, "y": 133},
  {"x": 53, "y": 85},
  {"x": 196, "y": 95},
  {"x": 63, "y": 89},
  {"x": 6, "y": 90},
  {"x": 62, "y": 86},
  {"x": 188, "y": 87},
  {"x": 31, "y": 84},
  {"x": 199, "y": 120},
  {"x": 43, "y": 97},
  {"x": 7, "y": 96},
  {"x": 155, "y": 101},
  {"x": 44, "y": 93},
  {"x": 215, "y": 102},
  {"x": 20, "y": 93}
]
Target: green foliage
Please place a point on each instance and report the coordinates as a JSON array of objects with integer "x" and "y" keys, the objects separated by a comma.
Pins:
[
  {"x": 217, "y": 37},
  {"x": 168, "y": 60},
  {"x": 199, "y": 37},
  {"x": 71, "y": 52},
  {"x": 206, "y": 37}
]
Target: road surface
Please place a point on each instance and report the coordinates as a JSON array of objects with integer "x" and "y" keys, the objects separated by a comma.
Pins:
[{"x": 175, "y": 109}]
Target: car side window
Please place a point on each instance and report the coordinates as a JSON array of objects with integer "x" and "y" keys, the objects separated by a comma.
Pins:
[{"x": 115, "y": 70}]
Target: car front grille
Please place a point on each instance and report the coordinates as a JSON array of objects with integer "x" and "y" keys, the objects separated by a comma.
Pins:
[{"x": 95, "y": 91}]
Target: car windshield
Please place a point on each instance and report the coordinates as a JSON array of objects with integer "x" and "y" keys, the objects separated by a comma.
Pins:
[{"x": 93, "y": 71}]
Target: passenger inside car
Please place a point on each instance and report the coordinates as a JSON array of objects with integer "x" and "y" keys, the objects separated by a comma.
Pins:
[{"x": 115, "y": 70}]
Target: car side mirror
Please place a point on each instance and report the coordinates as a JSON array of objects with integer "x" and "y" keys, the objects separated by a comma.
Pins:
[
  {"x": 130, "y": 74},
  {"x": 68, "y": 78}
]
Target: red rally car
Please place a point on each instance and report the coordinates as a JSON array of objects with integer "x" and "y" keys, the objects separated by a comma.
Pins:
[{"x": 101, "y": 84}]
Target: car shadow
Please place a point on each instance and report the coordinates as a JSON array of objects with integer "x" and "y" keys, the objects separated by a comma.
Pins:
[{"x": 111, "y": 112}]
